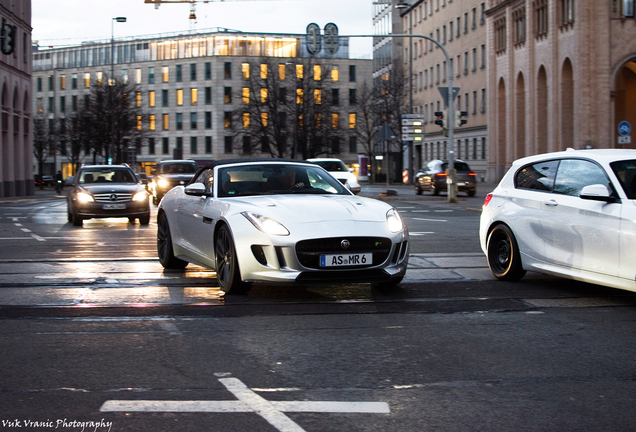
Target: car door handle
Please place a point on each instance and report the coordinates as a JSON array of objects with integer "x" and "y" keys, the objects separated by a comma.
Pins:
[{"x": 551, "y": 203}]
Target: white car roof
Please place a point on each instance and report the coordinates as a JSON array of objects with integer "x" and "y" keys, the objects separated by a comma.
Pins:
[{"x": 600, "y": 155}]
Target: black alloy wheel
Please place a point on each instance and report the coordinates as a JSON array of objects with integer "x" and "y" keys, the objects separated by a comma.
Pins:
[
  {"x": 164, "y": 245},
  {"x": 503, "y": 254},
  {"x": 228, "y": 274}
]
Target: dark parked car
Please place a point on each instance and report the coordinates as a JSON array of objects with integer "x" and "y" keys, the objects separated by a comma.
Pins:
[
  {"x": 433, "y": 178},
  {"x": 168, "y": 174},
  {"x": 103, "y": 191}
]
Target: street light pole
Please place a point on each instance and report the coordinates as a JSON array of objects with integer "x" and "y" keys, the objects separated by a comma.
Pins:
[{"x": 112, "y": 46}]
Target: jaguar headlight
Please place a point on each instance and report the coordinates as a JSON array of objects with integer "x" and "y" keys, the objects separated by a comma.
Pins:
[
  {"x": 265, "y": 224},
  {"x": 140, "y": 196},
  {"x": 394, "y": 220},
  {"x": 83, "y": 197}
]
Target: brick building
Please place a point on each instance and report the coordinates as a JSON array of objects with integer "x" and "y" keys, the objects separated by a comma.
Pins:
[{"x": 561, "y": 73}]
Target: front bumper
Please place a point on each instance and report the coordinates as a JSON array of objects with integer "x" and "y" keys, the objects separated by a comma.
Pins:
[{"x": 96, "y": 210}]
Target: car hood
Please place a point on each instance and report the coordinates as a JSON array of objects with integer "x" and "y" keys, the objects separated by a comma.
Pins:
[
  {"x": 303, "y": 209},
  {"x": 114, "y": 187}
]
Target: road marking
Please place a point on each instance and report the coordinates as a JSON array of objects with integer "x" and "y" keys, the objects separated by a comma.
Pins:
[
  {"x": 37, "y": 237},
  {"x": 248, "y": 402},
  {"x": 26, "y": 230},
  {"x": 431, "y": 220},
  {"x": 421, "y": 233}
]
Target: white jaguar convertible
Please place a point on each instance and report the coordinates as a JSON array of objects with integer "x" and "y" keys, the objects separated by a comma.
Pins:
[{"x": 278, "y": 221}]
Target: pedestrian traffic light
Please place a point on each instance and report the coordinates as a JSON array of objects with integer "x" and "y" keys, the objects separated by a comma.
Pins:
[
  {"x": 459, "y": 121},
  {"x": 7, "y": 34}
]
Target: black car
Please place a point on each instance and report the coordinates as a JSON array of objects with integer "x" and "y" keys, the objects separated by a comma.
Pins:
[
  {"x": 433, "y": 178},
  {"x": 168, "y": 174},
  {"x": 103, "y": 191}
]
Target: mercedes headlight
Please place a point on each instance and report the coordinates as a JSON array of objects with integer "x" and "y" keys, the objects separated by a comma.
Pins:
[
  {"x": 163, "y": 183},
  {"x": 265, "y": 224},
  {"x": 140, "y": 196},
  {"x": 394, "y": 220},
  {"x": 83, "y": 197}
]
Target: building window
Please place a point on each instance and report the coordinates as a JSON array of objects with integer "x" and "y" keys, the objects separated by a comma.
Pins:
[
  {"x": 335, "y": 97},
  {"x": 179, "y": 97},
  {"x": 474, "y": 59},
  {"x": 165, "y": 74},
  {"x": 87, "y": 80},
  {"x": 179, "y": 123},
  {"x": 227, "y": 70},
  {"x": 74, "y": 81},
  {"x": 137, "y": 76},
  {"x": 227, "y": 95},
  {"x": 151, "y": 146},
  {"x": 39, "y": 84},
  {"x": 193, "y": 145},
  {"x": 193, "y": 121},
  {"x": 193, "y": 72},
  {"x": 178, "y": 73},
  {"x": 246, "y": 120},
  {"x": 151, "y": 98},
  {"x": 628, "y": 9},
  {"x": 263, "y": 71},
  {"x": 151, "y": 122},
  {"x": 352, "y": 73},
  {"x": 138, "y": 99},
  {"x": 227, "y": 119},
  {"x": 165, "y": 145},
  {"x": 62, "y": 82},
  {"x": 194, "y": 94},
  {"x": 353, "y": 96},
  {"x": 519, "y": 18},
  {"x": 335, "y": 120},
  {"x": 281, "y": 71},
  {"x": 500, "y": 35},
  {"x": 245, "y": 95},
  {"x": 300, "y": 73},
  {"x": 352, "y": 120},
  {"x": 317, "y": 73},
  {"x": 166, "y": 122},
  {"x": 208, "y": 71},
  {"x": 208, "y": 120},
  {"x": 567, "y": 12},
  {"x": 482, "y": 19},
  {"x": 208, "y": 95},
  {"x": 245, "y": 69},
  {"x": 483, "y": 56},
  {"x": 353, "y": 145},
  {"x": 335, "y": 73},
  {"x": 474, "y": 26},
  {"x": 164, "y": 98},
  {"x": 483, "y": 100},
  {"x": 151, "y": 75},
  {"x": 541, "y": 17},
  {"x": 227, "y": 144},
  {"x": 208, "y": 144}
]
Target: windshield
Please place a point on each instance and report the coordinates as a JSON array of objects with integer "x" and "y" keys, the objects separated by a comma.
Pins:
[
  {"x": 106, "y": 175},
  {"x": 626, "y": 173},
  {"x": 332, "y": 165},
  {"x": 178, "y": 168},
  {"x": 459, "y": 166},
  {"x": 275, "y": 179}
]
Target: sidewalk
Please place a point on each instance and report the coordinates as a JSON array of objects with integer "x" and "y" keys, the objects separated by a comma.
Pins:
[{"x": 48, "y": 193}]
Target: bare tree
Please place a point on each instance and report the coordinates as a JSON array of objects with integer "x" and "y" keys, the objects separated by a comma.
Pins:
[
  {"x": 41, "y": 142},
  {"x": 287, "y": 109}
]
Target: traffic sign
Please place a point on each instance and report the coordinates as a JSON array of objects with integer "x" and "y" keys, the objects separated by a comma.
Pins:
[
  {"x": 625, "y": 139},
  {"x": 331, "y": 38},
  {"x": 412, "y": 122},
  {"x": 444, "y": 92},
  {"x": 412, "y": 137},
  {"x": 413, "y": 116},
  {"x": 314, "y": 39},
  {"x": 624, "y": 128}
]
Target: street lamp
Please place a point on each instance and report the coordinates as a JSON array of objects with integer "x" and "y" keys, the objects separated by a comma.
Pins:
[{"x": 112, "y": 46}]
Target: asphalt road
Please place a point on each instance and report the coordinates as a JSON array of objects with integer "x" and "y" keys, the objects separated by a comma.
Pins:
[{"x": 93, "y": 330}]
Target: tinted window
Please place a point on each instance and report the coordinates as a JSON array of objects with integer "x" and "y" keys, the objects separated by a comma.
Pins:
[
  {"x": 539, "y": 176},
  {"x": 574, "y": 174},
  {"x": 626, "y": 173},
  {"x": 207, "y": 178},
  {"x": 178, "y": 168}
]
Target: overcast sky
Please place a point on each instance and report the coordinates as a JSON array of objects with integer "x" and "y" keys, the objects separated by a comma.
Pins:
[{"x": 67, "y": 22}]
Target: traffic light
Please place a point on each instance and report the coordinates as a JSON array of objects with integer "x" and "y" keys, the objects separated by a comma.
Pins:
[
  {"x": 7, "y": 34},
  {"x": 442, "y": 118},
  {"x": 459, "y": 121}
]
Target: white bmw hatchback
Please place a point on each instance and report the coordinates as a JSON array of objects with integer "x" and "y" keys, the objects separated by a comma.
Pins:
[{"x": 570, "y": 214}]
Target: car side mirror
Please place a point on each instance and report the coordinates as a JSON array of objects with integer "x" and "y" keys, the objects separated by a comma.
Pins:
[
  {"x": 195, "y": 189},
  {"x": 597, "y": 192}
]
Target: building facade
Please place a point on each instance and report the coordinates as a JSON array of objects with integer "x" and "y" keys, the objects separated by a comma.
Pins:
[
  {"x": 16, "y": 153},
  {"x": 460, "y": 26},
  {"x": 561, "y": 74},
  {"x": 186, "y": 83}
]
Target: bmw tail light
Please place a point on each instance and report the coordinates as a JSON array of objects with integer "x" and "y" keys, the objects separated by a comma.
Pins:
[{"x": 487, "y": 200}]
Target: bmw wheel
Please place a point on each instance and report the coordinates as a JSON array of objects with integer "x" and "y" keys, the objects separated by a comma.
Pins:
[
  {"x": 164, "y": 245},
  {"x": 227, "y": 270},
  {"x": 503, "y": 254}
]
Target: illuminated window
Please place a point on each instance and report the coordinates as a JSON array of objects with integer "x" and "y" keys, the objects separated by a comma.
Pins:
[
  {"x": 246, "y": 120},
  {"x": 246, "y": 95},
  {"x": 318, "y": 96},
  {"x": 299, "y": 72},
  {"x": 335, "y": 120},
  {"x": 165, "y": 74},
  {"x": 166, "y": 122},
  {"x": 318, "y": 120},
  {"x": 179, "y": 97},
  {"x": 263, "y": 71},
  {"x": 263, "y": 95},
  {"x": 245, "y": 67},
  {"x": 264, "y": 119},
  {"x": 299, "y": 96},
  {"x": 193, "y": 96},
  {"x": 281, "y": 71},
  {"x": 138, "y": 98},
  {"x": 137, "y": 76},
  {"x": 138, "y": 122},
  {"x": 352, "y": 121},
  {"x": 227, "y": 95},
  {"x": 63, "y": 82},
  {"x": 100, "y": 75},
  {"x": 335, "y": 74},
  {"x": 317, "y": 73},
  {"x": 87, "y": 80},
  {"x": 151, "y": 98},
  {"x": 227, "y": 119}
]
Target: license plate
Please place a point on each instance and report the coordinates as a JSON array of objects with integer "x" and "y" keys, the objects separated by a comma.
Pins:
[
  {"x": 114, "y": 206},
  {"x": 340, "y": 260}
]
